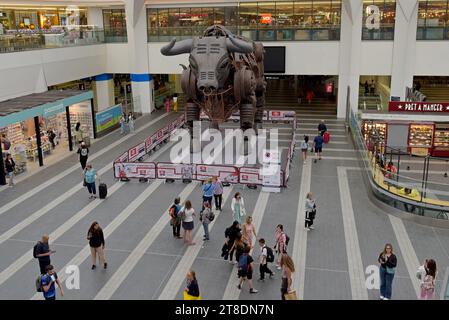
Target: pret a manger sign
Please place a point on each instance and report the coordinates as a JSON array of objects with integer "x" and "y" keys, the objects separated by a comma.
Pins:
[{"x": 423, "y": 107}]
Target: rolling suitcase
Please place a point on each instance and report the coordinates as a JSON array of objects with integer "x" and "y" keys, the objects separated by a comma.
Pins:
[
  {"x": 102, "y": 190},
  {"x": 326, "y": 137}
]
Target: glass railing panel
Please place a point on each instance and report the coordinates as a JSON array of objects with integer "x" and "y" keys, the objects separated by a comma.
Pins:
[
  {"x": 383, "y": 33},
  {"x": 432, "y": 33}
]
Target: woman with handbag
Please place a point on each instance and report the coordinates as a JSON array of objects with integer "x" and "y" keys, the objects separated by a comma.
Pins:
[
  {"x": 427, "y": 273},
  {"x": 238, "y": 207},
  {"x": 288, "y": 268},
  {"x": 310, "y": 211},
  {"x": 187, "y": 214},
  {"x": 388, "y": 263}
]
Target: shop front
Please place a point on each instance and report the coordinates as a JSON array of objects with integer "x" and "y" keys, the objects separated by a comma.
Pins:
[
  {"x": 44, "y": 133},
  {"x": 418, "y": 128}
]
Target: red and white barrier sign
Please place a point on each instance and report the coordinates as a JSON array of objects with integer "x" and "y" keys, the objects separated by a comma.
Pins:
[
  {"x": 250, "y": 175},
  {"x": 135, "y": 170},
  {"x": 123, "y": 157},
  {"x": 167, "y": 170},
  {"x": 225, "y": 173},
  {"x": 136, "y": 152},
  {"x": 280, "y": 115}
]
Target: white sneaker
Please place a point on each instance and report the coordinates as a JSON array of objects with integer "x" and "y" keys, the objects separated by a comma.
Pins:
[
  {"x": 307, "y": 229},
  {"x": 381, "y": 297},
  {"x": 311, "y": 228},
  {"x": 386, "y": 298}
]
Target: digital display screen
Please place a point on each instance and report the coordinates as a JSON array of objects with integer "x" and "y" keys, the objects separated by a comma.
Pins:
[{"x": 274, "y": 60}]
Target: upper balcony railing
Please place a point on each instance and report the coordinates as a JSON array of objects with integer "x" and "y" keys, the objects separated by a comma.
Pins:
[
  {"x": 57, "y": 37},
  {"x": 432, "y": 33},
  {"x": 279, "y": 33}
]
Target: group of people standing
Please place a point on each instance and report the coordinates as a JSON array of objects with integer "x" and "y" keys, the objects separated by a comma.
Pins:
[
  {"x": 318, "y": 141},
  {"x": 127, "y": 123}
]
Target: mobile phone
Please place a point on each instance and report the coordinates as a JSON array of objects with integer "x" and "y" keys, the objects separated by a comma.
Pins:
[{"x": 53, "y": 278}]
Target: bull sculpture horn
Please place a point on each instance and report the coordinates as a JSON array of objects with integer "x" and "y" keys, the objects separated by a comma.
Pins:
[
  {"x": 174, "y": 48},
  {"x": 238, "y": 45},
  {"x": 183, "y": 66}
]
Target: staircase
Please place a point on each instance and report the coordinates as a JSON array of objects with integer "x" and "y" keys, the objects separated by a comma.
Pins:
[{"x": 436, "y": 94}]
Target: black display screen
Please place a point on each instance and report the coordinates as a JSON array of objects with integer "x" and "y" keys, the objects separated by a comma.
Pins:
[{"x": 274, "y": 60}]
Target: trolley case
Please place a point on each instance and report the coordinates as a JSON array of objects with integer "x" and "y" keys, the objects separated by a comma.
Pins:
[{"x": 102, "y": 190}]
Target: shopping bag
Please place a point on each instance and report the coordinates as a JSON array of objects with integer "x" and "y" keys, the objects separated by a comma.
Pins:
[
  {"x": 189, "y": 297},
  {"x": 291, "y": 295}
]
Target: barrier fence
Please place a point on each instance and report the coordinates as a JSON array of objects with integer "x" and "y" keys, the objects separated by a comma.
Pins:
[{"x": 130, "y": 164}]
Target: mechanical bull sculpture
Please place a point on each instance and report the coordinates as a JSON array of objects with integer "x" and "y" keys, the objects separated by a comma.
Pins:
[{"x": 225, "y": 74}]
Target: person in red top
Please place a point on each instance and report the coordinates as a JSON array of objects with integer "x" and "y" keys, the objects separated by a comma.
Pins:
[
  {"x": 309, "y": 96},
  {"x": 390, "y": 170}
]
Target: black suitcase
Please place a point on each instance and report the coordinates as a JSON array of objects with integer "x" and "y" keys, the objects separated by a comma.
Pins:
[{"x": 103, "y": 190}]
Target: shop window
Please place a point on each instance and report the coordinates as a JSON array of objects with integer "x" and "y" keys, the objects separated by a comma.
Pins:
[
  {"x": 266, "y": 21},
  {"x": 173, "y": 22},
  {"x": 185, "y": 22},
  {"x": 432, "y": 20},
  {"x": 378, "y": 19},
  {"x": 114, "y": 23},
  {"x": 152, "y": 24},
  {"x": 284, "y": 20},
  {"x": 303, "y": 19},
  {"x": 248, "y": 20}
]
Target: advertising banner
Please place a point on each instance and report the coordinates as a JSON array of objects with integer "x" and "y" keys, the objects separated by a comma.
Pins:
[
  {"x": 167, "y": 170},
  {"x": 279, "y": 115},
  {"x": 135, "y": 170},
  {"x": 418, "y": 107},
  {"x": 136, "y": 152},
  {"x": 271, "y": 172},
  {"x": 225, "y": 173},
  {"x": 108, "y": 118},
  {"x": 250, "y": 176}
]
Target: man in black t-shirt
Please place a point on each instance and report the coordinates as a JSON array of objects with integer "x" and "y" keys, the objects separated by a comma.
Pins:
[
  {"x": 246, "y": 268},
  {"x": 83, "y": 151},
  {"x": 43, "y": 253}
]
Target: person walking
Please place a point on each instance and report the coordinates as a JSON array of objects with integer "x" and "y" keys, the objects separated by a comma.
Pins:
[
  {"x": 10, "y": 166},
  {"x": 239, "y": 246},
  {"x": 248, "y": 229},
  {"x": 366, "y": 86},
  {"x": 427, "y": 273},
  {"x": 187, "y": 222},
  {"x": 96, "y": 243},
  {"x": 218, "y": 193},
  {"x": 175, "y": 219},
  {"x": 246, "y": 268},
  {"x": 318, "y": 144},
  {"x": 310, "y": 211},
  {"x": 288, "y": 268},
  {"x": 131, "y": 122},
  {"x": 281, "y": 244},
  {"x": 90, "y": 176},
  {"x": 205, "y": 218},
  {"x": 79, "y": 133},
  {"x": 83, "y": 151},
  {"x": 263, "y": 260},
  {"x": 48, "y": 281},
  {"x": 238, "y": 207},
  {"x": 167, "y": 104},
  {"x": 388, "y": 263},
  {"x": 231, "y": 235},
  {"x": 322, "y": 128},
  {"x": 42, "y": 252},
  {"x": 309, "y": 96},
  {"x": 192, "y": 289},
  {"x": 208, "y": 193},
  {"x": 122, "y": 123},
  {"x": 305, "y": 148}
]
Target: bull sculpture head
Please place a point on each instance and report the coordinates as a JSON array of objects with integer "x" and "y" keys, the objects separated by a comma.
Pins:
[{"x": 209, "y": 58}]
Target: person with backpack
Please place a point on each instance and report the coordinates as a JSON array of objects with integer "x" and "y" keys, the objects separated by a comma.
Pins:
[
  {"x": 90, "y": 176},
  {"x": 246, "y": 270},
  {"x": 208, "y": 193},
  {"x": 238, "y": 207},
  {"x": 42, "y": 252},
  {"x": 175, "y": 218},
  {"x": 427, "y": 273},
  {"x": 10, "y": 166},
  {"x": 322, "y": 127},
  {"x": 310, "y": 207},
  {"x": 387, "y": 269},
  {"x": 218, "y": 193},
  {"x": 305, "y": 148},
  {"x": 281, "y": 244},
  {"x": 318, "y": 144},
  {"x": 206, "y": 217},
  {"x": 266, "y": 256},
  {"x": 187, "y": 214},
  {"x": 96, "y": 243},
  {"x": 231, "y": 234},
  {"x": 47, "y": 282},
  {"x": 83, "y": 151}
]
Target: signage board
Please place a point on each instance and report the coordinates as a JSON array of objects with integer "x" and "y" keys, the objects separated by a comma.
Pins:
[
  {"x": 418, "y": 107},
  {"x": 108, "y": 118},
  {"x": 225, "y": 173},
  {"x": 135, "y": 170}
]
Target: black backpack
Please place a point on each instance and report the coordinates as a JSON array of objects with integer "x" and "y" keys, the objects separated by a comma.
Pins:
[
  {"x": 39, "y": 283},
  {"x": 270, "y": 254},
  {"x": 35, "y": 248},
  {"x": 287, "y": 240}
]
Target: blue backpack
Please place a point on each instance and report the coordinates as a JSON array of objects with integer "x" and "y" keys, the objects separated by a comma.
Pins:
[{"x": 243, "y": 262}]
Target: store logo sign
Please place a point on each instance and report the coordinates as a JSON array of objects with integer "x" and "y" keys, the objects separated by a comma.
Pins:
[
  {"x": 372, "y": 21},
  {"x": 266, "y": 18},
  {"x": 424, "y": 107},
  {"x": 53, "y": 110}
]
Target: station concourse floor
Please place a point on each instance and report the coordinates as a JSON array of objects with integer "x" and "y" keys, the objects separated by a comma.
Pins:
[{"x": 146, "y": 262}]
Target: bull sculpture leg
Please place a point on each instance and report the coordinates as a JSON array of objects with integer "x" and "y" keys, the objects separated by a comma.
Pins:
[{"x": 192, "y": 115}]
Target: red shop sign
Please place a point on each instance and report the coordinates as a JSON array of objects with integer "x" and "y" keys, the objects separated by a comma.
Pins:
[{"x": 419, "y": 107}]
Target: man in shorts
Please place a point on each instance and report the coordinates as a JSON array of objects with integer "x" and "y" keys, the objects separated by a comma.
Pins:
[
  {"x": 318, "y": 144},
  {"x": 246, "y": 268}
]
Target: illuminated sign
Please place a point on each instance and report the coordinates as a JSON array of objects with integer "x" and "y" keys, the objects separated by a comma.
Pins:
[{"x": 266, "y": 18}]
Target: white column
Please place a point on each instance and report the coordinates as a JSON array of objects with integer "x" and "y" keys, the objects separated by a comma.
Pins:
[
  {"x": 103, "y": 91},
  {"x": 404, "y": 51},
  {"x": 141, "y": 80},
  {"x": 95, "y": 17},
  {"x": 350, "y": 55}
]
